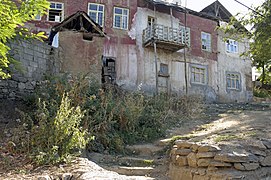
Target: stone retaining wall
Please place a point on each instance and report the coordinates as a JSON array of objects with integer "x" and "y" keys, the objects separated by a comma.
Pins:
[
  {"x": 34, "y": 59},
  {"x": 194, "y": 161}
]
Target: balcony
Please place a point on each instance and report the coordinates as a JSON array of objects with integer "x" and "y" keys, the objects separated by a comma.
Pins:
[{"x": 172, "y": 39}]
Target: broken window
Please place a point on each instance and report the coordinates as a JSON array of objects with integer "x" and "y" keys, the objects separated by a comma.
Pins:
[
  {"x": 231, "y": 46},
  {"x": 121, "y": 18},
  {"x": 96, "y": 13},
  {"x": 206, "y": 41},
  {"x": 151, "y": 21},
  {"x": 109, "y": 70},
  {"x": 198, "y": 75},
  {"x": 233, "y": 81},
  {"x": 56, "y": 12}
]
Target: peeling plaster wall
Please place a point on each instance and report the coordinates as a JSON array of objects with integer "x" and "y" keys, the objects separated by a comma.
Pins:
[
  {"x": 174, "y": 60},
  {"x": 121, "y": 44},
  {"x": 79, "y": 56},
  {"x": 232, "y": 62},
  {"x": 135, "y": 64}
]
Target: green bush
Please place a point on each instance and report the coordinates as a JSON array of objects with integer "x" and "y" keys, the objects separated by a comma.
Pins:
[
  {"x": 58, "y": 134},
  {"x": 261, "y": 93},
  {"x": 112, "y": 116}
]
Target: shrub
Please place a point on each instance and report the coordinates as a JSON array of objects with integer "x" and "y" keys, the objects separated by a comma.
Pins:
[
  {"x": 114, "y": 117},
  {"x": 58, "y": 134},
  {"x": 261, "y": 93}
]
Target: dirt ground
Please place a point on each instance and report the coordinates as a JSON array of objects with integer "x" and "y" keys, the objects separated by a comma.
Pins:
[
  {"x": 219, "y": 124},
  {"x": 228, "y": 124}
]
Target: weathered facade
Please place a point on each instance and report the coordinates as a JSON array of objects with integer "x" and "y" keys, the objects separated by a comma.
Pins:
[
  {"x": 156, "y": 45},
  {"x": 234, "y": 73}
]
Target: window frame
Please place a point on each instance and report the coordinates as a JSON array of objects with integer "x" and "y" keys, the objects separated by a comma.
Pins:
[
  {"x": 208, "y": 48},
  {"x": 97, "y": 12},
  {"x": 122, "y": 15},
  {"x": 231, "y": 42},
  {"x": 164, "y": 70},
  {"x": 186, "y": 32},
  {"x": 193, "y": 67},
  {"x": 62, "y": 11},
  {"x": 237, "y": 86}
]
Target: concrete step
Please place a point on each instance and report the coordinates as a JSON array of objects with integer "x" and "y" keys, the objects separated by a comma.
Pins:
[
  {"x": 145, "y": 149},
  {"x": 139, "y": 161},
  {"x": 131, "y": 171}
]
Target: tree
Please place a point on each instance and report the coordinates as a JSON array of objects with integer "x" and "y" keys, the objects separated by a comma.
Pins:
[
  {"x": 259, "y": 36},
  {"x": 13, "y": 15}
]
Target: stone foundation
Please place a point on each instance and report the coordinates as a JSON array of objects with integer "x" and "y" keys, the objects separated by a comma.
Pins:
[{"x": 195, "y": 161}]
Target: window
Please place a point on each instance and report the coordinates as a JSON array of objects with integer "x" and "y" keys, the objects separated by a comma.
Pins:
[
  {"x": 96, "y": 13},
  {"x": 37, "y": 17},
  {"x": 108, "y": 70},
  {"x": 233, "y": 81},
  {"x": 121, "y": 17},
  {"x": 198, "y": 74},
  {"x": 185, "y": 31},
  {"x": 231, "y": 46},
  {"x": 206, "y": 41},
  {"x": 151, "y": 21},
  {"x": 163, "y": 69},
  {"x": 56, "y": 12}
]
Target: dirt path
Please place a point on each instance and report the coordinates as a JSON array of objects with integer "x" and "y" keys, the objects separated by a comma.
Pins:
[{"x": 220, "y": 124}]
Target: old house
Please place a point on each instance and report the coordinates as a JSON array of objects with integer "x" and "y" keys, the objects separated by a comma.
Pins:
[
  {"x": 234, "y": 72},
  {"x": 159, "y": 46},
  {"x": 80, "y": 44}
]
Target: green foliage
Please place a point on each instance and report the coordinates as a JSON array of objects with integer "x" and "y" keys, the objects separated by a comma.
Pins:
[
  {"x": 68, "y": 112},
  {"x": 259, "y": 36},
  {"x": 115, "y": 117},
  {"x": 53, "y": 133},
  {"x": 226, "y": 137},
  {"x": 261, "y": 93},
  {"x": 12, "y": 18},
  {"x": 58, "y": 133}
]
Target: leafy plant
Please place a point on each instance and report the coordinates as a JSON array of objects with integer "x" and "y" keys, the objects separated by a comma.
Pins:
[
  {"x": 13, "y": 15},
  {"x": 58, "y": 134},
  {"x": 261, "y": 93},
  {"x": 113, "y": 116}
]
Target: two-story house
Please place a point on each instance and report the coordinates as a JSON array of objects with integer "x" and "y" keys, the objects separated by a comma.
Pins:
[
  {"x": 161, "y": 46},
  {"x": 234, "y": 72}
]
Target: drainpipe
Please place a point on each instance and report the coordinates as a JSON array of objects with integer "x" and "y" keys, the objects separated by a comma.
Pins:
[
  {"x": 155, "y": 60},
  {"x": 171, "y": 19},
  {"x": 185, "y": 62}
]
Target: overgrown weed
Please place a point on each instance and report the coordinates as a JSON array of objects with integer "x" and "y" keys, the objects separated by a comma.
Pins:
[{"x": 69, "y": 111}]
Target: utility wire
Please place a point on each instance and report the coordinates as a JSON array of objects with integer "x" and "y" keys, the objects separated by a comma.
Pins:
[{"x": 249, "y": 8}]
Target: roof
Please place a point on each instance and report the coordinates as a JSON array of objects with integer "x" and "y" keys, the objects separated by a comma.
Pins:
[
  {"x": 177, "y": 7},
  {"x": 79, "y": 21},
  {"x": 216, "y": 9}
]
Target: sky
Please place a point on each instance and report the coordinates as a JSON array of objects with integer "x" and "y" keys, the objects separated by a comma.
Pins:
[{"x": 232, "y": 6}]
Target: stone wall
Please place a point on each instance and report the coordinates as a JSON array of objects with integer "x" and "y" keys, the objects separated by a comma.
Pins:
[
  {"x": 194, "y": 161},
  {"x": 34, "y": 59}
]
